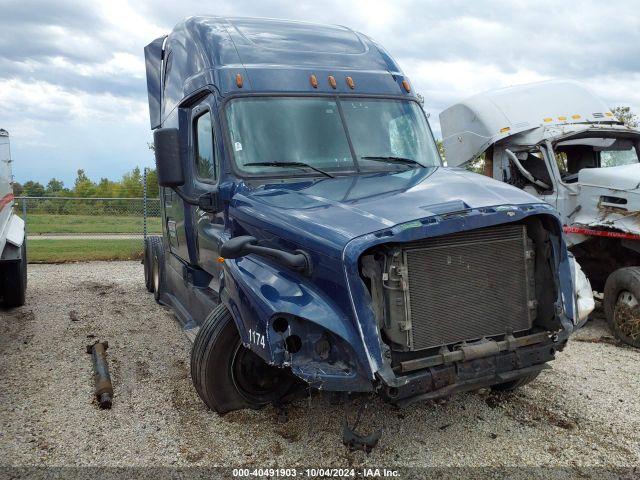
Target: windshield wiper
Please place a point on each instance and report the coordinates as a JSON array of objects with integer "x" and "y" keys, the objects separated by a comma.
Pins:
[
  {"x": 392, "y": 159},
  {"x": 288, "y": 164}
]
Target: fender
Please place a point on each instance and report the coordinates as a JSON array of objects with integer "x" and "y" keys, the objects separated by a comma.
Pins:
[{"x": 256, "y": 291}]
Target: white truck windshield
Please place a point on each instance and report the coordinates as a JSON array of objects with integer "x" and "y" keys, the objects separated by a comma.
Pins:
[
  {"x": 575, "y": 155},
  {"x": 269, "y": 132}
]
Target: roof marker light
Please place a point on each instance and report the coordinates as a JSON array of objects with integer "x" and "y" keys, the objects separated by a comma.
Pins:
[
  {"x": 406, "y": 86},
  {"x": 575, "y": 117},
  {"x": 239, "y": 80},
  {"x": 608, "y": 114},
  {"x": 313, "y": 80},
  {"x": 351, "y": 83},
  {"x": 548, "y": 119},
  {"x": 563, "y": 118},
  {"x": 505, "y": 129},
  {"x": 332, "y": 82}
]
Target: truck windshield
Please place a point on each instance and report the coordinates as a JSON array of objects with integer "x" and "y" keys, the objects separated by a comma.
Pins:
[
  {"x": 266, "y": 133},
  {"x": 574, "y": 155},
  {"x": 621, "y": 156}
]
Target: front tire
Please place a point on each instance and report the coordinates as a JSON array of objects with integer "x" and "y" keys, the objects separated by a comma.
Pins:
[
  {"x": 13, "y": 280},
  {"x": 622, "y": 304},
  {"x": 229, "y": 376}
]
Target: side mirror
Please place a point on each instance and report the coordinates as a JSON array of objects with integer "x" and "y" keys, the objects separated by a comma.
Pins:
[{"x": 167, "y": 148}]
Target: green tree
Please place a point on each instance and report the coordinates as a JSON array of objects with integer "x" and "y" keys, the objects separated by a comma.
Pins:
[
  {"x": 132, "y": 184},
  {"x": 626, "y": 116},
  {"x": 83, "y": 187},
  {"x": 17, "y": 189},
  {"x": 153, "y": 190},
  {"x": 54, "y": 186},
  {"x": 106, "y": 188},
  {"x": 33, "y": 189}
]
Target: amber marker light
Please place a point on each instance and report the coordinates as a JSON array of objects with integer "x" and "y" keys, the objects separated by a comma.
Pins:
[
  {"x": 332, "y": 82},
  {"x": 220, "y": 259},
  {"x": 351, "y": 83},
  {"x": 239, "y": 80},
  {"x": 406, "y": 86},
  {"x": 314, "y": 81}
]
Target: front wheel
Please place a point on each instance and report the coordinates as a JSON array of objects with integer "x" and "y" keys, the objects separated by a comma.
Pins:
[
  {"x": 229, "y": 376},
  {"x": 622, "y": 304}
]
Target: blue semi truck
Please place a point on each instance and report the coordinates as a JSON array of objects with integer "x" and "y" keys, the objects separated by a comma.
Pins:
[{"x": 312, "y": 236}]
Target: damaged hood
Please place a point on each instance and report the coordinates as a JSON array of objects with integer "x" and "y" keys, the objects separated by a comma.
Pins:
[
  {"x": 623, "y": 177},
  {"x": 333, "y": 211}
]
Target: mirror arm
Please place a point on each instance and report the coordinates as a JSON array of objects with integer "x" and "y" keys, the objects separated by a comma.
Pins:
[
  {"x": 205, "y": 202},
  {"x": 185, "y": 198}
]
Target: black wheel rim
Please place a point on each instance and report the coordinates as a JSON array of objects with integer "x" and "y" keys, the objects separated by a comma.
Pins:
[{"x": 254, "y": 379}]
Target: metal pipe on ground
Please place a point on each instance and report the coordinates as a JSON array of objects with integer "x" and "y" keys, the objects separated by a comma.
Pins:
[{"x": 102, "y": 379}]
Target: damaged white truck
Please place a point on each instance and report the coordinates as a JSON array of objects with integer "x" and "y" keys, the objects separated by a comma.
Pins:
[{"x": 562, "y": 144}]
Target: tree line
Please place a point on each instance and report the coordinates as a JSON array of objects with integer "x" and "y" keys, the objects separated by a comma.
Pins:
[{"x": 131, "y": 185}]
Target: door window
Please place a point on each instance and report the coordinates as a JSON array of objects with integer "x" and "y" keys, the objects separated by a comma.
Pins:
[{"x": 206, "y": 167}]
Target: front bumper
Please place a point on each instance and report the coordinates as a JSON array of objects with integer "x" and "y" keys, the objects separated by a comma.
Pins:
[{"x": 469, "y": 373}]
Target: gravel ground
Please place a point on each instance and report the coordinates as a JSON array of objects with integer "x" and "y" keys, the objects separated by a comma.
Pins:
[{"x": 584, "y": 412}]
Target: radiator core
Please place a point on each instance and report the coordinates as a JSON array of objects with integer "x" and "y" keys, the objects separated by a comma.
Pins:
[{"x": 469, "y": 285}]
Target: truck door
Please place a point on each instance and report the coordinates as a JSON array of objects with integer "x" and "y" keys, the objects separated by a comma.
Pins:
[
  {"x": 174, "y": 218},
  {"x": 206, "y": 154}
]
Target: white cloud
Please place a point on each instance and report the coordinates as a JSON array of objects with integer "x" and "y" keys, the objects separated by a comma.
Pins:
[
  {"x": 77, "y": 67},
  {"x": 41, "y": 99}
]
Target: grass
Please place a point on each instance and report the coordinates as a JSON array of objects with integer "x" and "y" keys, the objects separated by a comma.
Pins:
[
  {"x": 45, "y": 223},
  {"x": 61, "y": 251}
]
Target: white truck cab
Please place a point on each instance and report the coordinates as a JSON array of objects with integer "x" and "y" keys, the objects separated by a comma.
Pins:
[
  {"x": 13, "y": 248},
  {"x": 562, "y": 144}
]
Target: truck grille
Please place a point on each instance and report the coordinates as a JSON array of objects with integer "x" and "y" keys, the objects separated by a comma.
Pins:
[{"x": 469, "y": 285}]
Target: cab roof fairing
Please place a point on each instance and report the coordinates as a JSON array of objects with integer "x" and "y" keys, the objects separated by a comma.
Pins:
[
  {"x": 270, "y": 55},
  {"x": 542, "y": 110}
]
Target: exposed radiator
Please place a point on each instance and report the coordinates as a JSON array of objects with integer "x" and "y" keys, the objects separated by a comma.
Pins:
[{"x": 469, "y": 285}]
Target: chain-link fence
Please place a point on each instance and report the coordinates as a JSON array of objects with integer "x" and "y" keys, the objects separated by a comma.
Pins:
[
  {"x": 88, "y": 218},
  {"x": 63, "y": 229},
  {"x": 107, "y": 220}
]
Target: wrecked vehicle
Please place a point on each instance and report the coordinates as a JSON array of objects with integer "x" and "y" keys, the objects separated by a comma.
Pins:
[
  {"x": 311, "y": 233},
  {"x": 562, "y": 144},
  {"x": 13, "y": 244}
]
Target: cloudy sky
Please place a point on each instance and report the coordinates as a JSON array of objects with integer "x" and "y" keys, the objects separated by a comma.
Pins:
[{"x": 72, "y": 85}]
